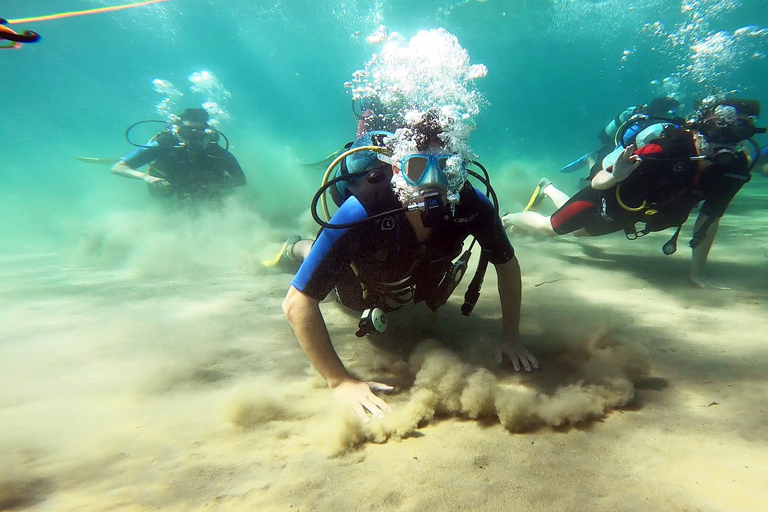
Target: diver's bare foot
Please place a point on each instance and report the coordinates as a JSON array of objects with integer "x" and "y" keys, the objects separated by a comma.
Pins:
[{"x": 703, "y": 282}]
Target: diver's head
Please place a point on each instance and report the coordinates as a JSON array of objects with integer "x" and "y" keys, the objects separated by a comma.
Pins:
[
  {"x": 663, "y": 107},
  {"x": 429, "y": 166},
  {"x": 727, "y": 122},
  {"x": 192, "y": 128}
]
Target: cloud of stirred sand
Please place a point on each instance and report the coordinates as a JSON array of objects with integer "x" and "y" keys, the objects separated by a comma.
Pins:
[{"x": 598, "y": 374}]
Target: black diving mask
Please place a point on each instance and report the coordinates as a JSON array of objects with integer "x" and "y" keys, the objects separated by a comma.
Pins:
[
  {"x": 718, "y": 154},
  {"x": 194, "y": 135}
]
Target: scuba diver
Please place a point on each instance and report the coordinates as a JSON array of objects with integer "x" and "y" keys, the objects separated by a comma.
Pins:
[
  {"x": 622, "y": 129},
  {"x": 660, "y": 182},
  {"x": 185, "y": 161},
  {"x": 404, "y": 214},
  {"x": 16, "y": 39}
]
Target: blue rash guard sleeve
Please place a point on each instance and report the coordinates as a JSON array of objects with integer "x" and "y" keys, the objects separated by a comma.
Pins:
[
  {"x": 142, "y": 156},
  {"x": 319, "y": 272},
  {"x": 490, "y": 233}
]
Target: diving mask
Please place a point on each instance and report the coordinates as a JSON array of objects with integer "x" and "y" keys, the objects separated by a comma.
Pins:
[
  {"x": 429, "y": 170},
  {"x": 193, "y": 135},
  {"x": 428, "y": 183},
  {"x": 720, "y": 154}
]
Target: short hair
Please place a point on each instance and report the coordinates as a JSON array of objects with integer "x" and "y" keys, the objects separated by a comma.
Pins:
[
  {"x": 427, "y": 130},
  {"x": 663, "y": 106},
  {"x": 195, "y": 115},
  {"x": 727, "y": 121}
]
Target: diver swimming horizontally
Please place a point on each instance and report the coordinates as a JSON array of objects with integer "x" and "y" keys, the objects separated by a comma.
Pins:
[{"x": 659, "y": 180}]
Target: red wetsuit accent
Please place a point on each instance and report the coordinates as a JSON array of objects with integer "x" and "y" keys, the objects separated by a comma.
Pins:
[{"x": 568, "y": 212}]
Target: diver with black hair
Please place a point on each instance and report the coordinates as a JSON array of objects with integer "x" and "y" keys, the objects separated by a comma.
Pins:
[
  {"x": 659, "y": 181},
  {"x": 401, "y": 223},
  {"x": 185, "y": 161},
  {"x": 622, "y": 130}
]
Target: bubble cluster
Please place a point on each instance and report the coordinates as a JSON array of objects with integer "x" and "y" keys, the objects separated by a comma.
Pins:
[
  {"x": 669, "y": 86},
  {"x": 169, "y": 104},
  {"x": 202, "y": 83},
  {"x": 706, "y": 58},
  {"x": 430, "y": 73},
  {"x": 208, "y": 86}
]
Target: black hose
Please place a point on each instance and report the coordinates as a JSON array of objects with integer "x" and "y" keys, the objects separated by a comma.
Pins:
[
  {"x": 473, "y": 290},
  {"x": 146, "y": 121},
  {"x": 345, "y": 177}
]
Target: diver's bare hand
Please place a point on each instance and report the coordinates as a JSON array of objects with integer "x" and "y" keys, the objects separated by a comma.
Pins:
[
  {"x": 626, "y": 163},
  {"x": 519, "y": 355},
  {"x": 361, "y": 397},
  {"x": 157, "y": 182}
]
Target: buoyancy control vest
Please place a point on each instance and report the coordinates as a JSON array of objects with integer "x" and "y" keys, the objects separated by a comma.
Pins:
[{"x": 662, "y": 191}]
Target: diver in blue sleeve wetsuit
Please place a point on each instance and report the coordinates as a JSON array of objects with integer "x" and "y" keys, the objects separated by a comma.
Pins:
[
  {"x": 185, "y": 162},
  {"x": 400, "y": 258},
  {"x": 762, "y": 162}
]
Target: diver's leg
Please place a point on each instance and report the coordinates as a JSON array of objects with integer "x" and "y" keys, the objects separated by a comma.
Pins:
[
  {"x": 291, "y": 254},
  {"x": 529, "y": 221},
  {"x": 555, "y": 195},
  {"x": 299, "y": 250}
]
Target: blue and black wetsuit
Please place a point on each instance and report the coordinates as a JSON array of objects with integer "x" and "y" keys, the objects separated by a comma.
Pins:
[
  {"x": 191, "y": 173},
  {"x": 381, "y": 263},
  {"x": 762, "y": 159}
]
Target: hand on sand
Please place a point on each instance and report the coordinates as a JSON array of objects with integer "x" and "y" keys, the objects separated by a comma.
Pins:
[
  {"x": 519, "y": 355},
  {"x": 360, "y": 396},
  {"x": 704, "y": 282},
  {"x": 626, "y": 163},
  {"x": 156, "y": 182}
]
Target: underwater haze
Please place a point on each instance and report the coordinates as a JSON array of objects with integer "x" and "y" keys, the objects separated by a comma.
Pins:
[{"x": 145, "y": 362}]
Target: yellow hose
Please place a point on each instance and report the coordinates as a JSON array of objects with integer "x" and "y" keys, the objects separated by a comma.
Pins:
[
  {"x": 323, "y": 200},
  {"x": 628, "y": 208}
]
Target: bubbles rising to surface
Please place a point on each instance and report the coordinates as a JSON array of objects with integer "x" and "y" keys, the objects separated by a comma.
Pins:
[{"x": 213, "y": 95}]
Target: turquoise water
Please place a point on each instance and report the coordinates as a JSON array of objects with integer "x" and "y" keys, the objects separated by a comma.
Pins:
[
  {"x": 145, "y": 362},
  {"x": 557, "y": 71}
]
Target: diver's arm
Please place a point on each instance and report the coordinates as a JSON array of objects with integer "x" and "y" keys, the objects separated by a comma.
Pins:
[
  {"x": 761, "y": 167},
  {"x": 306, "y": 320},
  {"x": 122, "y": 169},
  {"x": 625, "y": 164},
  {"x": 510, "y": 293},
  {"x": 701, "y": 252},
  {"x": 235, "y": 175}
]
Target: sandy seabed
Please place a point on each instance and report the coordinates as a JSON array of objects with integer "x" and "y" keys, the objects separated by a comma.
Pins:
[{"x": 184, "y": 389}]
